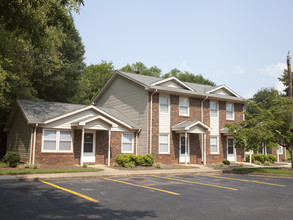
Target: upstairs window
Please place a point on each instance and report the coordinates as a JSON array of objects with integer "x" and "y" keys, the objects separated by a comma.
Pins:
[
  {"x": 214, "y": 109},
  {"x": 229, "y": 111},
  {"x": 164, "y": 104},
  {"x": 184, "y": 106}
]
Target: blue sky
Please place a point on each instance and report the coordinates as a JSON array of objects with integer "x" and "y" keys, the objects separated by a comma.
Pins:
[{"x": 240, "y": 43}]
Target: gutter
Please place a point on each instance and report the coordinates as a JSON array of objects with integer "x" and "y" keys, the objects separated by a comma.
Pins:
[
  {"x": 151, "y": 123},
  {"x": 136, "y": 142}
]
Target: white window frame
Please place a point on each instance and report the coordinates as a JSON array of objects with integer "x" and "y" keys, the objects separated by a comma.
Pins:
[
  {"x": 168, "y": 138},
  {"x": 132, "y": 149},
  {"x": 168, "y": 98},
  {"x": 214, "y": 109},
  {"x": 280, "y": 151},
  {"x": 231, "y": 112},
  {"x": 188, "y": 104},
  {"x": 57, "y": 142},
  {"x": 217, "y": 145}
]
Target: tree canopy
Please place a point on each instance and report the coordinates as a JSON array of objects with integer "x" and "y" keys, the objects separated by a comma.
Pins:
[{"x": 140, "y": 68}]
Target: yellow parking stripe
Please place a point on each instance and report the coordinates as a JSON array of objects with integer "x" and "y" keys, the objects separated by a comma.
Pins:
[
  {"x": 75, "y": 193},
  {"x": 186, "y": 181},
  {"x": 251, "y": 181},
  {"x": 147, "y": 187}
]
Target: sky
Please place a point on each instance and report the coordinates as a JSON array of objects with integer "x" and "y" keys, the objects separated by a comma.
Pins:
[{"x": 242, "y": 44}]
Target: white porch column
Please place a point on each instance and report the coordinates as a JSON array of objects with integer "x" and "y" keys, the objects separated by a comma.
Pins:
[
  {"x": 109, "y": 147},
  {"x": 250, "y": 158},
  {"x": 186, "y": 148},
  {"x": 82, "y": 143},
  {"x": 205, "y": 149}
]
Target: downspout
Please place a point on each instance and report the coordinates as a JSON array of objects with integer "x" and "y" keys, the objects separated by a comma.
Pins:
[
  {"x": 109, "y": 147},
  {"x": 205, "y": 149},
  {"x": 136, "y": 142},
  {"x": 82, "y": 143},
  {"x": 151, "y": 123},
  {"x": 31, "y": 145},
  {"x": 201, "y": 111},
  {"x": 34, "y": 147},
  {"x": 186, "y": 148}
]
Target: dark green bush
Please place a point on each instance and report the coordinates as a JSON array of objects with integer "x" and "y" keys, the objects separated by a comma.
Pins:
[
  {"x": 259, "y": 157},
  {"x": 149, "y": 160},
  {"x": 12, "y": 159},
  {"x": 130, "y": 160},
  {"x": 226, "y": 162},
  {"x": 271, "y": 158}
]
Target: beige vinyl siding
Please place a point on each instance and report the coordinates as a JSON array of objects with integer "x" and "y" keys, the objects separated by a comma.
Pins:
[
  {"x": 131, "y": 100},
  {"x": 19, "y": 137}
]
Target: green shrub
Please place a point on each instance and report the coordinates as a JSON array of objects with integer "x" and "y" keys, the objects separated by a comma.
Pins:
[
  {"x": 27, "y": 165},
  {"x": 12, "y": 159},
  {"x": 271, "y": 158},
  {"x": 259, "y": 157},
  {"x": 247, "y": 159},
  {"x": 85, "y": 165},
  {"x": 123, "y": 159},
  {"x": 159, "y": 165},
  {"x": 241, "y": 164},
  {"x": 226, "y": 162},
  {"x": 139, "y": 160},
  {"x": 267, "y": 163},
  {"x": 36, "y": 166},
  {"x": 130, "y": 164},
  {"x": 148, "y": 160},
  {"x": 258, "y": 163}
]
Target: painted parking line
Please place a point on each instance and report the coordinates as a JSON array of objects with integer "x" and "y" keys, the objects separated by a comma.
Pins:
[
  {"x": 186, "y": 181},
  {"x": 70, "y": 191},
  {"x": 147, "y": 187},
  {"x": 250, "y": 181}
]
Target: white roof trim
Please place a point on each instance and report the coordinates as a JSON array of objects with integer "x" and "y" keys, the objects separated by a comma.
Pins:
[
  {"x": 84, "y": 109},
  {"x": 83, "y": 123},
  {"x": 175, "y": 79},
  {"x": 224, "y": 87},
  {"x": 199, "y": 123}
]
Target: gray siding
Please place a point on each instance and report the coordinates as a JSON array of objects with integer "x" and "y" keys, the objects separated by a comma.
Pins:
[
  {"x": 131, "y": 100},
  {"x": 19, "y": 137}
]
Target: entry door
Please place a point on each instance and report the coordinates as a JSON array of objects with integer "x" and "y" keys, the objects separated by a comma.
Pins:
[
  {"x": 89, "y": 147},
  {"x": 182, "y": 148},
  {"x": 231, "y": 150}
]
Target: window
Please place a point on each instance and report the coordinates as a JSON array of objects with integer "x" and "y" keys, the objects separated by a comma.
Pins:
[
  {"x": 183, "y": 106},
  {"x": 57, "y": 141},
  {"x": 214, "y": 109},
  {"x": 229, "y": 111},
  {"x": 164, "y": 104},
  {"x": 280, "y": 150},
  {"x": 164, "y": 144},
  {"x": 214, "y": 145},
  {"x": 88, "y": 143},
  {"x": 127, "y": 146}
]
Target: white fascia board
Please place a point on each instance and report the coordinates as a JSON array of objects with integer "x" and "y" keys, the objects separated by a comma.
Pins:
[
  {"x": 170, "y": 79},
  {"x": 83, "y": 123},
  {"x": 199, "y": 123},
  {"x": 224, "y": 87}
]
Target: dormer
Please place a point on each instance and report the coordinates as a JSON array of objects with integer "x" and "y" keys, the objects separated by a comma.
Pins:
[
  {"x": 172, "y": 82},
  {"x": 223, "y": 90}
]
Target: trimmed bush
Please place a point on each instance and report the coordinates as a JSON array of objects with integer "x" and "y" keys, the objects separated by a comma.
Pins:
[
  {"x": 140, "y": 160},
  {"x": 130, "y": 160},
  {"x": 159, "y": 165},
  {"x": 226, "y": 162},
  {"x": 12, "y": 159},
  {"x": 271, "y": 158},
  {"x": 149, "y": 160}
]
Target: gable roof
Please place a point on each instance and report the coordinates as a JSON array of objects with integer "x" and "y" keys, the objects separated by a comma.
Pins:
[
  {"x": 43, "y": 112},
  {"x": 151, "y": 83}
]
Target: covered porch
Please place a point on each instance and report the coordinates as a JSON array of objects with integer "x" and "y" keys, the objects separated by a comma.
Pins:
[{"x": 187, "y": 131}]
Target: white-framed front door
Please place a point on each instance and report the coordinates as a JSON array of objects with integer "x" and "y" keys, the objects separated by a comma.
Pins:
[
  {"x": 231, "y": 151},
  {"x": 183, "y": 147},
  {"x": 89, "y": 147}
]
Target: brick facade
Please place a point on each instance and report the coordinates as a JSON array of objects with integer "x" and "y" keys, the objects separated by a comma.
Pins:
[{"x": 196, "y": 156}]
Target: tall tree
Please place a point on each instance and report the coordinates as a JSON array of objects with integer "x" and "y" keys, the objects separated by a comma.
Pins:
[
  {"x": 188, "y": 77},
  {"x": 284, "y": 79},
  {"x": 92, "y": 81},
  {"x": 140, "y": 68}
]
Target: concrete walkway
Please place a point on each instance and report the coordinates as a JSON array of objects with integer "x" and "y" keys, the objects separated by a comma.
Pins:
[{"x": 108, "y": 172}]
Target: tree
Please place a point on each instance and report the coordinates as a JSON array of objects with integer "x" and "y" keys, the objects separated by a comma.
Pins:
[
  {"x": 188, "y": 77},
  {"x": 269, "y": 126},
  {"x": 140, "y": 68},
  {"x": 284, "y": 79},
  {"x": 92, "y": 81}
]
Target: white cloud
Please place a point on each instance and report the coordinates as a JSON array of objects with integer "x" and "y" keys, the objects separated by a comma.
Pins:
[
  {"x": 274, "y": 70},
  {"x": 279, "y": 86},
  {"x": 249, "y": 94},
  {"x": 239, "y": 70}
]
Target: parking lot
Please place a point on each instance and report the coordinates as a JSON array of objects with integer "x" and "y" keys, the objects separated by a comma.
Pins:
[{"x": 150, "y": 197}]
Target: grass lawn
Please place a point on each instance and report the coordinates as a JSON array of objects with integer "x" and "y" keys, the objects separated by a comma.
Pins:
[
  {"x": 274, "y": 170},
  {"x": 38, "y": 171}
]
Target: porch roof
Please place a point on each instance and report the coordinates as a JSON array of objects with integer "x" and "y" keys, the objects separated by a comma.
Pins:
[
  {"x": 191, "y": 127},
  {"x": 225, "y": 131}
]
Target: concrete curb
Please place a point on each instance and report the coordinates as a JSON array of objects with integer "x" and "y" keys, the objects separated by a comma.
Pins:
[{"x": 90, "y": 175}]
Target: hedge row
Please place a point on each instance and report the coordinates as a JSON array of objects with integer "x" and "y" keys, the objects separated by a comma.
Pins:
[
  {"x": 131, "y": 160},
  {"x": 261, "y": 158}
]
